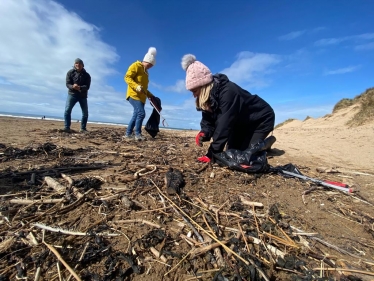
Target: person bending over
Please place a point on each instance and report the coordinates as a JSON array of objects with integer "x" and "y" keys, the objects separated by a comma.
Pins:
[{"x": 231, "y": 116}]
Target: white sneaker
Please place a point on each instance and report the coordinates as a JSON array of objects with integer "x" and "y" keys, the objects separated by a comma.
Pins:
[
  {"x": 128, "y": 137},
  {"x": 140, "y": 138}
]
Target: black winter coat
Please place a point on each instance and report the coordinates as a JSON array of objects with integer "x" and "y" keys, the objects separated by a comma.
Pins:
[
  {"x": 83, "y": 79},
  {"x": 233, "y": 108}
]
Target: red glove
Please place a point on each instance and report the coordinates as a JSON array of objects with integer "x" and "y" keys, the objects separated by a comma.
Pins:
[
  {"x": 200, "y": 137},
  {"x": 204, "y": 159}
]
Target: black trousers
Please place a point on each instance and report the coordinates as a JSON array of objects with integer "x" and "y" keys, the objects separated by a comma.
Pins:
[
  {"x": 243, "y": 142},
  {"x": 243, "y": 135}
]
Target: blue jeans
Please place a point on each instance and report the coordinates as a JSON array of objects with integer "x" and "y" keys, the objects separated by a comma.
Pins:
[
  {"x": 137, "y": 117},
  {"x": 70, "y": 102}
]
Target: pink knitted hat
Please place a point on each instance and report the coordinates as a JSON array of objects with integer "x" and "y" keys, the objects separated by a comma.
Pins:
[{"x": 197, "y": 74}]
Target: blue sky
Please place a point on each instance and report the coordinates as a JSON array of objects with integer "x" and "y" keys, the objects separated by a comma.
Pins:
[{"x": 300, "y": 56}]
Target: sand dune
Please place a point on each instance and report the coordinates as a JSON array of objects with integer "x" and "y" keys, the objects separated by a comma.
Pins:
[{"x": 329, "y": 140}]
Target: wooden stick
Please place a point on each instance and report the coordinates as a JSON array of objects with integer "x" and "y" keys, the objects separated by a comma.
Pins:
[
  {"x": 344, "y": 269},
  {"x": 119, "y": 188},
  {"x": 280, "y": 240},
  {"x": 68, "y": 179},
  {"x": 250, "y": 203},
  {"x": 189, "y": 240},
  {"x": 140, "y": 221},
  {"x": 207, "y": 224},
  {"x": 157, "y": 254},
  {"x": 199, "y": 251},
  {"x": 219, "y": 209},
  {"x": 245, "y": 240},
  {"x": 110, "y": 197},
  {"x": 154, "y": 210},
  {"x": 175, "y": 266},
  {"x": 63, "y": 231},
  {"x": 250, "y": 260},
  {"x": 224, "y": 213},
  {"x": 284, "y": 233},
  {"x": 182, "y": 212},
  {"x": 58, "y": 270},
  {"x": 80, "y": 259},
  {"x": 37, "y": 274},
  {"x": 30, "y": 201},
  {"x": 55, "y": 252}
]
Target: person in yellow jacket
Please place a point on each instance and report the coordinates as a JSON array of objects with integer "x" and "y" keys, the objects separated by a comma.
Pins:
[{"x": 137, "y": 81}]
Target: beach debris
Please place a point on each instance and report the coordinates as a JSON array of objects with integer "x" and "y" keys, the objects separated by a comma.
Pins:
[
  {"x": 174, "y": 181},
  {"x": 133, "y": 216}
]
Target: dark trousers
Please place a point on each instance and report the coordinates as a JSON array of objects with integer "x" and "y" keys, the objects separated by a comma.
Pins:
[
  {"x": 237, "y": 141},
  {"x": 70, "y": 102}
]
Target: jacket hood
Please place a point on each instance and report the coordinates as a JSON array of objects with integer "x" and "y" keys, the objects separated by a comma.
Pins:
[{"x": 221, "y": 78}]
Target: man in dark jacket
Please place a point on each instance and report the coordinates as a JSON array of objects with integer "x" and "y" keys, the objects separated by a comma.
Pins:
[
  {"x": 231, "y": 116},
  {"x": 78, "y": 82}
]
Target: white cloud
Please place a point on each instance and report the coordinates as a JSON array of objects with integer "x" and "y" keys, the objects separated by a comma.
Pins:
[
  {"x": 179, "y": 87},
  {"x": 291, "y": 35},
  {"x": 362, "y": 47},
  {"x": 251, "y": 68},
  {"x": 318, "y": 29},
  {"x": 342, "y": 70},
  {"x": 329, "y": 41},
  {"x": 40, "y": 40},
  {"x": 335, "y": 41}
]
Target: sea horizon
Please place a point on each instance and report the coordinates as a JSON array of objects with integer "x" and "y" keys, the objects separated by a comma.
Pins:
[{"x": 60, "y": 119}]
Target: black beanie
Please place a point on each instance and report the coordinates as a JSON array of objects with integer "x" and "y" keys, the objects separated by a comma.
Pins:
[{"x": 78, "y": 60}]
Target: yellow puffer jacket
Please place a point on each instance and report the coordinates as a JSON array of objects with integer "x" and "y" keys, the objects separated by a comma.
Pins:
[{"x": 136, "y": 75}]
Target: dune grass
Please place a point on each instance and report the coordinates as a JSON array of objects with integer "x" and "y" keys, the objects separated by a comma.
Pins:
[
  {"x": 344, "y": 103},
  {"x": 284, "y": 122},
  {"x": 366, "y": 111},
  {"x": 364, "y": 102}
]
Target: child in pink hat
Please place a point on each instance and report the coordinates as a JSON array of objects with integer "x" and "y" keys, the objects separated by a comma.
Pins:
[{"x": 231, "y": 116}]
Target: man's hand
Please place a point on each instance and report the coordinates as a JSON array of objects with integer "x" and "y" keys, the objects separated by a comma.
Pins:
[
  {"x": 76, "y": 87},
  {"x": 139, "y": 89},
  {"x": 204, "y": 159}
]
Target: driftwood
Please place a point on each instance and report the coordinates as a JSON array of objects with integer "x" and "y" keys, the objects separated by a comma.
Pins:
[
  {"x": 169, "y": 225},
  {"x": 195, "y": 223},
  {"x": 68, "y": 179},
  {"x": 69, "y": 232},
  {"x": 53, "y": 170},
  {"x": 138, "y": 221},
  {"x": 157, "y": 254},
  {"x": 203, "y": 250},
  {"x": 249, "y": 203},
  {"x": 55, "y": 252},
  {"x": 30, "y": 201},
  {"x": 345, "y": 269}
]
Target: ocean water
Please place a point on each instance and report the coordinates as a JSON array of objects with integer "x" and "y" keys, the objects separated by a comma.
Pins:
[{"x": 60, "y": 119}]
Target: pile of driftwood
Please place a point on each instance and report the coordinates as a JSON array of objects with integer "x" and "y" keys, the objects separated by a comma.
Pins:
[{"x": 85, "y": 228}]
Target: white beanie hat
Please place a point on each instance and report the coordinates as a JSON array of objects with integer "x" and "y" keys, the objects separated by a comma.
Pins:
[{"x": 151, "y": 56}]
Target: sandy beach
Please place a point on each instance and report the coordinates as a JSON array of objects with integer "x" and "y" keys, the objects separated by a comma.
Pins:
[{"x": 324, "y": 148}]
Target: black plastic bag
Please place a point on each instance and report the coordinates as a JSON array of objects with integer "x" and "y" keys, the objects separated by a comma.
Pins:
[
  {"x": 288, "y": 167},
  {"x": 251, "y": 160},
  {"x": 243, "y": 161},
  {"x": 152, "y": 125}
]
